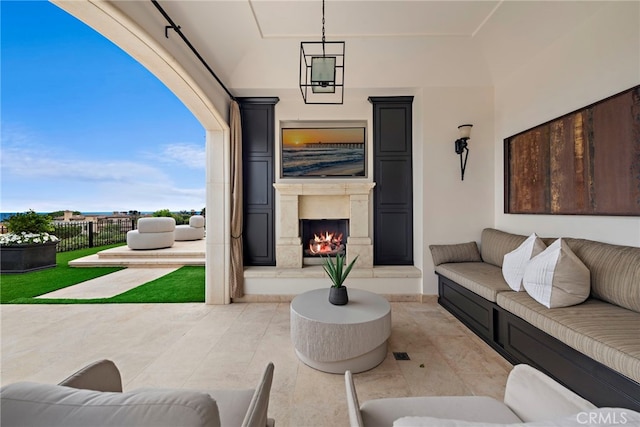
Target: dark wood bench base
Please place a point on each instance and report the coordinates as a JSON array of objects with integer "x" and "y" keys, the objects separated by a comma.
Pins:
[{"x": 520, "y": 342}]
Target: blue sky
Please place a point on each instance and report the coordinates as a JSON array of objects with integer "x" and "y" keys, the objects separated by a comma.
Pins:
[{"x": 84, "y": 126}]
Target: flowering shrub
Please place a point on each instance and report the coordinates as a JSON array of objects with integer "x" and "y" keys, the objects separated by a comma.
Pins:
[
  {"x": 24, "y": 238},
  {"x": 28, "y": 228}
]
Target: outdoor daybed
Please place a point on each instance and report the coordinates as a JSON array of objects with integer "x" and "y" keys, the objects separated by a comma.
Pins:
[{"x": 592, "y": 347}]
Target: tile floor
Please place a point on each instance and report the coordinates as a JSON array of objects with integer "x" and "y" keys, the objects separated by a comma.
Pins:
[{"x": 207, "y": 347}]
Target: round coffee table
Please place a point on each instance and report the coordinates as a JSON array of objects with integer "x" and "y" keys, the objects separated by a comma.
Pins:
[{"x": 336, "y": 338}]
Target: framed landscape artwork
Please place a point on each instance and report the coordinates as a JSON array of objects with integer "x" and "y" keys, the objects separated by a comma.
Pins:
[
  {"x": 584, "y": 163},
  {"x": 314, "y": 152}
]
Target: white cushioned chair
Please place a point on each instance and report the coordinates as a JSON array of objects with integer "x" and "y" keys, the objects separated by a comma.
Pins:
[
  {"x": 152, "y": 233},
  {"x": 531, "y": 399},
  {"x": 193, "y": 231},
  {"x": 93, "y": 397}
]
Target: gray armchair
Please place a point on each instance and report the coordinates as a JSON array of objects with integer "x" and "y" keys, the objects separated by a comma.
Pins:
[
  {"x": 93, "y": 396},
  {"x": 530, "y": 396}
]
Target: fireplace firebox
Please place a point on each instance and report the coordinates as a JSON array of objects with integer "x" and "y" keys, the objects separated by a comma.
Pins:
[{"x": 324, "y": 237}]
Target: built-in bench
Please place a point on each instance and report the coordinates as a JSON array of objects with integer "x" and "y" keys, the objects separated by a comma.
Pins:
[{"x": 592, "y": 348}]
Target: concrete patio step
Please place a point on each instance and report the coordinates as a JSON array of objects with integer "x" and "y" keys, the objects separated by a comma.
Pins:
[
  {"x": 181, "y": 253},
  {"x": 136, "y": 262}
]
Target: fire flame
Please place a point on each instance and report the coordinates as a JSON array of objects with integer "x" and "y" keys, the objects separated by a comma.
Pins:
[{"x": 325, "y": 243}]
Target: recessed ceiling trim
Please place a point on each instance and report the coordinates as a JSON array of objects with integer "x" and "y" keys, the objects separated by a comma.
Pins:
[
  {"x": 369, "y": 36},
  {"x": 255, "y": 18},
  {"x": 485, "y": 20},
  {"x": 281, "y": 19}
]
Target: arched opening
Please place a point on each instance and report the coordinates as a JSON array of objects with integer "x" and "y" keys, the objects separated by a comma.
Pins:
[{"x": 109, "y": 21}]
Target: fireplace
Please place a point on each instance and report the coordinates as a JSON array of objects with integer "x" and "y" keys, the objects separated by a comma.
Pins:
[
  {"x": 346, "y": 202},
  {"x": 321, "y": 237}
]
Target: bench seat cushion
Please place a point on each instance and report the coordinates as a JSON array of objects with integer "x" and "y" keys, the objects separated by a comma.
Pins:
[
  {"x": 480, "y": 278},
  {"x": 607, "y": 333}
]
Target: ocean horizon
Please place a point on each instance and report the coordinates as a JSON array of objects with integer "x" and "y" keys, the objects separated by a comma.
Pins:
[
  {"x": 330, "y": 161},
  {"x": 6, "y": 215}
]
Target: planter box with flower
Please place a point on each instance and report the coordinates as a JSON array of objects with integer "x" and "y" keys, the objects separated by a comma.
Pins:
[{"x": 28, "y": 246}]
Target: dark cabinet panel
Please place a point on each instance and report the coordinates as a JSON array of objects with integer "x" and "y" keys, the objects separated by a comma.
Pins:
[
  {"x": 393, "y": 137},
  {"x": 392, "y": 173},
  {"x": 256, "y": 132},
  {"x": 258, "y": 241},
  {"x": 258, "y": 177},
  {"x": 394, "y": 237},
  {"x": 258, "y": 148}
]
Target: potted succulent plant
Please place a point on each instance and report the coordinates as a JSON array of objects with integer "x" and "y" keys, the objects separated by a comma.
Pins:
[
  {"x": 338, "y": 274},
  {"x": 28, "y": 246}
]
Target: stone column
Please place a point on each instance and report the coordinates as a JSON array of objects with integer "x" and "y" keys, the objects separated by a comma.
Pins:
[
  {"x": 359, "y": 242},
  {"x": 289, "y": 246}
]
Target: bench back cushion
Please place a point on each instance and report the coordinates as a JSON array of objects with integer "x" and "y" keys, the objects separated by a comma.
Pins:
[
  {"x": 495, "y": 244},
  {"x": 615, "y": 271}
]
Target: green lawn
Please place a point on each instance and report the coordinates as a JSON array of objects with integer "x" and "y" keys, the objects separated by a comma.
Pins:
[{"x": 184, "y": 285}]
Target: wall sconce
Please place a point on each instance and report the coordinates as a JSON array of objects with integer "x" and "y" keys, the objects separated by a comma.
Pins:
[{"x": 461, "y": 146}]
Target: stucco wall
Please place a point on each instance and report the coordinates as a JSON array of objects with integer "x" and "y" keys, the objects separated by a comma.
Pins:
[
  {"x": 599, "y": 59},
  {"x": 455, "y": 211},
  {"x": 446, "y": 209}
]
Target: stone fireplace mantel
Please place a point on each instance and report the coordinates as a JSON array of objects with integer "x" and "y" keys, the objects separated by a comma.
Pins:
[{"x": 323, "y": 201}]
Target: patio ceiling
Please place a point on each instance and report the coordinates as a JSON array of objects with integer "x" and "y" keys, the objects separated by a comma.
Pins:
[{"x": 254, "y": 44}]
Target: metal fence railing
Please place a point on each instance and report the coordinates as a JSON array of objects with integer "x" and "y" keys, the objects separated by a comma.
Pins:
[
  {"x": 74, "y": 235},
  {"x": 88, "y": 234}
]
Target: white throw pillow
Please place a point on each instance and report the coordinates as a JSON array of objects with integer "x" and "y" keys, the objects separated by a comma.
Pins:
[
  {"x": 599, "y": 417},
  {"x": 515, "y": 262},
  {"x": 556, "y": 277}
]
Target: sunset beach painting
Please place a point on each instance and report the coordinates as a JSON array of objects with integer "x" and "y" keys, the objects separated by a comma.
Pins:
[{"x": 323, "y": 152}]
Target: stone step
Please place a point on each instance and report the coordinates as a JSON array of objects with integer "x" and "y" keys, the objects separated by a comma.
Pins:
[
  {"x": 181, "y": 253},
  {"x": 136, "y": 262},
  {"x": 139, "y": 254}
]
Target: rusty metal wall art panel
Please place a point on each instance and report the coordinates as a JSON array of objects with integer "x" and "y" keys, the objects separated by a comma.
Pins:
[{"x": 584, "y": 163}]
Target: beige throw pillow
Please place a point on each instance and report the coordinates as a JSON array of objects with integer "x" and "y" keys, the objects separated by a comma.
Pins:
[
  {"x": 557, "y": 277},
  {"x": 515, "y": 262},
  {"x": 462, "y": 252}
]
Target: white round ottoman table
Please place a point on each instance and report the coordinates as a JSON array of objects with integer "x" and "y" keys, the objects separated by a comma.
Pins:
[{"x": 335, "y": 338}]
